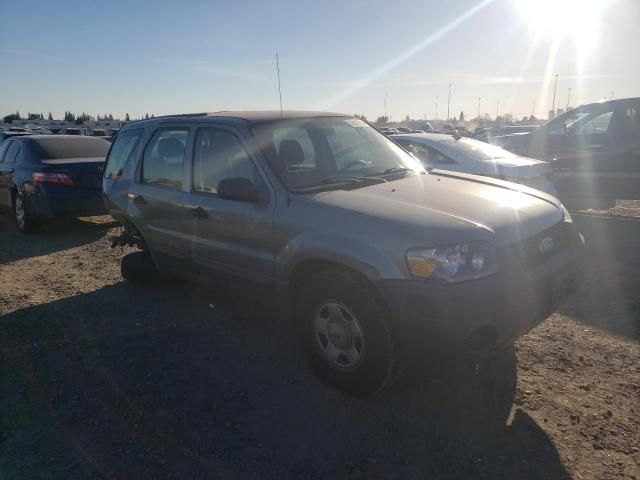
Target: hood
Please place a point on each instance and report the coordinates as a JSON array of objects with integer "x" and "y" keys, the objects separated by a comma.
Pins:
[{"x": 451, "y": 207}]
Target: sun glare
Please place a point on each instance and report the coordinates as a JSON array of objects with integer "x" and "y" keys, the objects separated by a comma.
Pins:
[{"x": 580, "y": 18}]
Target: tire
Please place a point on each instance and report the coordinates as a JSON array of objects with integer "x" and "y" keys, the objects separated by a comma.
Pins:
[
  {"x": 25, "y": 222},
  {"x": 345, "y": 333},
  {"x": 138, "y": 267}
]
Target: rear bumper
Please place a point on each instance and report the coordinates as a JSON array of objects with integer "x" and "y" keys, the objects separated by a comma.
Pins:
[
  {"x": 46, "y": 203},
  {"x": 479, "y": 316}
]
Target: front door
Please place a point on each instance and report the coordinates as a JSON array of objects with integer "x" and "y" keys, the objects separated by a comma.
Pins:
[
  {"x": 596, "y": 156},
  {"x": 230, "y": 239}
]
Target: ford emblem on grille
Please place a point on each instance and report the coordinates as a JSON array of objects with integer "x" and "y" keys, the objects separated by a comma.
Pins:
[{"x": 546, "y": 245}]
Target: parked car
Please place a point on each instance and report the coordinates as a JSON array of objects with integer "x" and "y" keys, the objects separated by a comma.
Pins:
[
  {"x": 594, "y": 151},
  {"x": 70, "y": 131},
  {"x": 9, "y": 134},
  {"x": 375, "y": 260},
  {"x": 466, "y": 155},
  {"x": 403, "y": 130},
  {"x": 16, "y": 130},
  {"x": 45, "y": 176}
]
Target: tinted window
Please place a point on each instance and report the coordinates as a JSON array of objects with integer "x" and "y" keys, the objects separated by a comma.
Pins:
[
  {"x": 122, "y": 154},
  {"x": 219, "y": 155},
  {"x": 164, "y": 158},
  {"x": 3, "y": 148},
  {"x": 53, "y": 147}
]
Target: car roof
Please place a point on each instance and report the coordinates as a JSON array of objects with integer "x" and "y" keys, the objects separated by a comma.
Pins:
[{"x": 249, "y": 116}]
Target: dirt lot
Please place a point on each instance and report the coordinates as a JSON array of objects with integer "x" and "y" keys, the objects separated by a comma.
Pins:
[{"x": 104, "y": 379}]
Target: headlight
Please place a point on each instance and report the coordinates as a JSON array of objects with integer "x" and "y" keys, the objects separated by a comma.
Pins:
[
  {"x": 455, "y": 263},
  {"x": 566, "y": 216}
]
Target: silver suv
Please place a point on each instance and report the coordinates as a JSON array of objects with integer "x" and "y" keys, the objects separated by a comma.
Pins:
[{"x": 374, "y": 260}]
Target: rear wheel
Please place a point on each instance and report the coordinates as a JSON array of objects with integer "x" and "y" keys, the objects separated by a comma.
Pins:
[
  {"x": 345, "y": 333},
  {"x": 139, "y": 267},
  {"x": 24, "y": 221}
]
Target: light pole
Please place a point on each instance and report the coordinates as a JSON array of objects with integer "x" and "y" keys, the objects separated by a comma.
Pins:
[
  {"x": 553, "y": 104},
  {"x": 385, "y": 106},
  {"x": 533, "y": 109},
  {"x": 497, "y": 109},
  {"x": 448, "y": 102},
  {"x": 568, "y": 99},
  {"x": 479, "y": 99}
]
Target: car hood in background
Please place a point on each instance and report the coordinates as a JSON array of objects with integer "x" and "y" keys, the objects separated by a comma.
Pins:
[
  {"x": 516, "y": 167},
  {"x": 450, "y": 207}
]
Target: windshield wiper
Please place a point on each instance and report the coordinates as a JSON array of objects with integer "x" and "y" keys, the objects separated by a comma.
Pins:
[{"x": 352, "y": 179}]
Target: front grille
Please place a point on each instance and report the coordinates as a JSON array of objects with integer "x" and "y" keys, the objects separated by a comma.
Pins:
[{"x": 530, "y": 250}]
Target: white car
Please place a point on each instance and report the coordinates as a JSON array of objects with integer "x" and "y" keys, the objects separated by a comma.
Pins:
[{"x": 460, "y": 154}]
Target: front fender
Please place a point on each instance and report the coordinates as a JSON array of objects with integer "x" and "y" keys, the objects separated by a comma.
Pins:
[{"x": 348, "y": 253}]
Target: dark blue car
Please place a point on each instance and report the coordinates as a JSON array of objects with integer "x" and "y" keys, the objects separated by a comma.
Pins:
[{"x": 46, "y": 176}]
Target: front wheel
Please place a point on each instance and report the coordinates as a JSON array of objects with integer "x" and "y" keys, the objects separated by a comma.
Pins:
[
  {"x": 24, "y": 221},
  {"x": 345, "y": 333}
]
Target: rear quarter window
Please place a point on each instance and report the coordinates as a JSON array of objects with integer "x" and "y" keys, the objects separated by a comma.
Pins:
[{"x": 123, "y": 154}]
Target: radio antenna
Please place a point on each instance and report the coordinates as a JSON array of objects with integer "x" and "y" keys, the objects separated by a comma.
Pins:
[{"x": 279, "y": 88}]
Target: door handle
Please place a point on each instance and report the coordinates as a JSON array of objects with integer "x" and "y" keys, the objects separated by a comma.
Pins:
[
  {"x": 198, "y": 212},
  {"x": 139, "y": 199}
]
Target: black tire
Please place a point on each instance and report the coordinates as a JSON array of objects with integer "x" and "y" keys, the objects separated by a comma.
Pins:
[
  {"x": 376, "y": 364},
  {"x": 24, "y": 221},
  {"x": 138, "y": 267}
]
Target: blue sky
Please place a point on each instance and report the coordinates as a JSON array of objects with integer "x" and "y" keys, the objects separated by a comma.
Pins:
[{"x": 169, "y": 57}]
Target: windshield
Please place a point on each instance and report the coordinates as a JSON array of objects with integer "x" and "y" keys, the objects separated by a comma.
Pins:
[
  {"x": 331, "y": 152},
  {"x": 479, "y": 150}
]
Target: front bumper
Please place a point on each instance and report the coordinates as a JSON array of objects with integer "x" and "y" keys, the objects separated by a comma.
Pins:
[{"x": 481, "y": 316}]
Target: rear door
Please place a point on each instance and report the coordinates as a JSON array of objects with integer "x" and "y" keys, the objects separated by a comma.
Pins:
[
  {"x": 156, "y": 199},
  {"x": 231, "y": 239},
  {"x": 8, "y": 151}
]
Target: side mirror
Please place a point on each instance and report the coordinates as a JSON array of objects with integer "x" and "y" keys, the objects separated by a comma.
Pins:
[{"x": 240, "y": 189}]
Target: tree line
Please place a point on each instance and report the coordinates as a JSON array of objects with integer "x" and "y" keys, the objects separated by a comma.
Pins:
[{"x": 70, "y": 117}]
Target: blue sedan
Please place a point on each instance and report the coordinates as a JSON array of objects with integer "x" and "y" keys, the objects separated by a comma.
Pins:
[{"x": 46, "y": 176}]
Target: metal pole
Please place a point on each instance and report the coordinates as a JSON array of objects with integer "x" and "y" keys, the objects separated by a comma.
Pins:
[
  {"x": 448, "y": 102},
  {"x": 568, "y": 99},
  {"x": 553, "y": 104},
  {"x": 279, "y": 89},
  {"x": 497, "y": 109},
  {"x": 385, "y": 106},
  {"x": 479, "y": 99},
  {"x": 533, "y": 110}
]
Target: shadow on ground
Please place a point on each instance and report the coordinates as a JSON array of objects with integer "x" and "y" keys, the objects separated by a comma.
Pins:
[
  {"x": 137, "y": 382},
  {"x": 608, "y": 295},
  {"x": 52, "y": 237}
]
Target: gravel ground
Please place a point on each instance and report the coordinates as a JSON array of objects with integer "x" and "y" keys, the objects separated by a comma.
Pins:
[{"x": 104, "y": 379}]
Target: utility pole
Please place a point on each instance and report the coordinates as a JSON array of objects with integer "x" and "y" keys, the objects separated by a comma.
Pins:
[
  {"x": 436, "y": 107},
  {"x": 568, "y": 99},
  {"x": 533, "y": 109},
  {"x": 553, "y": 104},
  {"x": 479, "y": 99},
  {"x": 448, "y": 102}
]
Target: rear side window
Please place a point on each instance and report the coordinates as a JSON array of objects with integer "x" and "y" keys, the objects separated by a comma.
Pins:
[
  {"x": 164, "y": 158},
  {"x": 3, "y": 148},
  {"x": 12, "y": 152},
  {"x": 122, "y": 155},
  {"x": 219, "y": 155}
]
